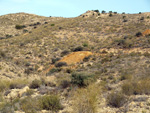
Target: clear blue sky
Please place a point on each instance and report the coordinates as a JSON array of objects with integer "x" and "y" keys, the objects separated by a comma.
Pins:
[{"x": 72, "y": 8}]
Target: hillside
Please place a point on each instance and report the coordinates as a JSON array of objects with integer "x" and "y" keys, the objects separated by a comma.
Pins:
[{"x": 94, "y": 63}]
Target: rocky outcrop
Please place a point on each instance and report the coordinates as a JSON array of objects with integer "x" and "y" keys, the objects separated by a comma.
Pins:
[
  {"x": 17, "y": 93},
  {"x": 90, "y": 14}
]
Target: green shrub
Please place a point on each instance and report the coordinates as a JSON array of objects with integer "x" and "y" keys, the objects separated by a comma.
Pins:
[
  {"x": 60, "y": 64},
  {"x": 79, "y": 48},
  {"x": 138, "y": 34},
  {"x": 25, "y": 30},
  {"x": 86, "y": 58},
  {"x": 35, "y": 84},
  {"x": 50, "y": 102},
  {"x": 123, "y": 17},
  {"x": 116, "y": 99},
  {"x": 82, "y": 79},
  {"x": 110, "y": 12},
  {"x": 20, "y": 26},
  {"x": 53, "y": 71},
  {"x": 8, "y": 36},
  {"x": 52, "y": 24},
  {"x": 30, "y": 105},
  {"x": 103, "y": 12},
  {"x": 65, "y": 52},
  {"x": 97, "y": 11},
  {"x": 110, "y": 15},
  {"x": 54, "y": 60},
  {"x": 29, "y": 92},
  {"x": 85, "y": 45}
]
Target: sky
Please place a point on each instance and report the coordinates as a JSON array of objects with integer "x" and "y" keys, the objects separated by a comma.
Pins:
[{"x": 72, "y": 8}]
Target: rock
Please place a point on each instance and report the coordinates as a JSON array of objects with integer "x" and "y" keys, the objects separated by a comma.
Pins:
[{"x": 16, "y": 93}]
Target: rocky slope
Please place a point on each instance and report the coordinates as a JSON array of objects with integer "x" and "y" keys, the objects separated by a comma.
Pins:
[{"x": 94, "y": 63}]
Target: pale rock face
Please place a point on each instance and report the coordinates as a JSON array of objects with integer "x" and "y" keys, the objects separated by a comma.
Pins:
[{"x": 17, "y": 93}]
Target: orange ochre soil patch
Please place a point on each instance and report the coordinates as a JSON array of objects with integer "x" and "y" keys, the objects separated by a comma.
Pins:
[
  {"x": 73, "y": 58},
  {"x": 147, "y": 32}
]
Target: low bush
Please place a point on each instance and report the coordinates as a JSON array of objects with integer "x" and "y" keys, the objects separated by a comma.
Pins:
[
  {"x": 142, "y": 18},
  {"x": 116, "y": 99},
  {"x": 54, "y": 60},
  {"x": 85, "y": 100},
  {"x": 103, "y": 12},
  {"x": 65, "y": 83},
  {"x": 124, "y": 43},
  {"x": 4, "y": 85},
  {"x": 20, "y": 26},
  {"x": 85, "y": 45},
  {"x": 125, "y": 20},
  {"x": 30, "y": 105},
  {"x": 123, "y": 17},
  {"x": 128, "y": 88},
  {"x": 79, "y": 48},
  {"x": 138, "y": 34},
  {"x": 65, "y": 52},
  {"x": 52, "y": 24},
  {"x": 126, "y": 77},
  {"x": 82, "y": 79},
  {"x": 8, "y": 36},
  {"x": 16, "y": 85},
  {"x": 50, "y": 102},
  {"x": 136, "y": 87},
  {"x": 53, "y": 70},
  {"x": 35, "y": 84},
  {"x": 60, "y": 64},
  {"x": 110, "y": 15},
  {"x": 86, "y": 59},
  {"x": 97, "y": 11}
]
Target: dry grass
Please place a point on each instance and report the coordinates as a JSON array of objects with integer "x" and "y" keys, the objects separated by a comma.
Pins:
[{"x": 86, "y": 99}]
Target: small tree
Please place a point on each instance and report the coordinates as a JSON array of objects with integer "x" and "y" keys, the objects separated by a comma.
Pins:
[
  {"x": 103, "y": 12},
  {"x": 96, "y": 11},
  {"x": 115, "y": 12},
  {"x": 110, "y": 11}
]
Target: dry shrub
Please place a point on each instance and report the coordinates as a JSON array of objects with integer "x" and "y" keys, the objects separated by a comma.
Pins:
[
  {"x": 136, "y": 87},
  {"x": 86, "y": 99},
  {"x": 117, "y": 99}
]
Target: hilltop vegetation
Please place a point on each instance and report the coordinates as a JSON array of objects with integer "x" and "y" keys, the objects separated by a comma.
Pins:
[{"x": 95, "y": 63}]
